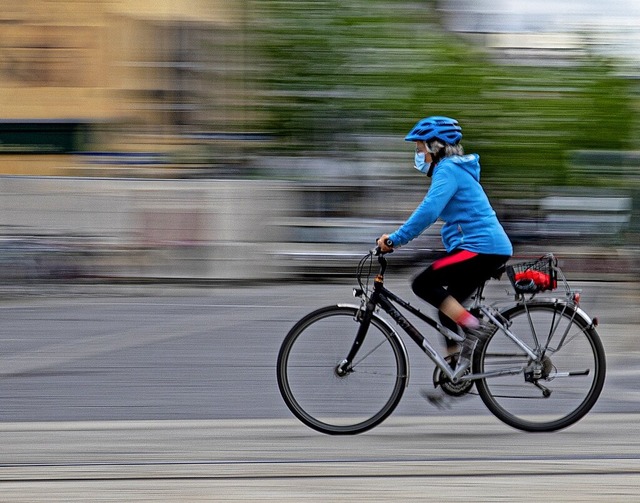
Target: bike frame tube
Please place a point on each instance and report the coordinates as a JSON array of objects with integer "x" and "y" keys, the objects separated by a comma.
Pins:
[
  {"x": 413, "y": 310},
  {"x": 508, "y": 333},
  {"x": 383, "y": 298},
  {"x": 415, "y": 334}
]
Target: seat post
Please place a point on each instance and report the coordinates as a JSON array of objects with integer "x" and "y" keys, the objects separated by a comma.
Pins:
[{"x": 477, "y": 298}]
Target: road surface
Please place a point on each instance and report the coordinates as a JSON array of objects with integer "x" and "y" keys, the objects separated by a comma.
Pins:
[{"x": 168, "y": 394}]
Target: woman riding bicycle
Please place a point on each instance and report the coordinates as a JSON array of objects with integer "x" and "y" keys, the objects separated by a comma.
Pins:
[{"x": 475, "y": 242}]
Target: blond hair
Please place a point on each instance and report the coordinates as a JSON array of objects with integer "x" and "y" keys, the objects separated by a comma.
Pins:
[{"x": 441, "y": 150}]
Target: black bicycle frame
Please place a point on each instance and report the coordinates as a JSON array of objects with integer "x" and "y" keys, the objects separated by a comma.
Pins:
[{"x": 385, "y": 298}]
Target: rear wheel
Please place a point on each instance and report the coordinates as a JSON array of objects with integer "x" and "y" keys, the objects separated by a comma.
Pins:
[
  {"x": 322, "y": 394},
  {"x": 557, "y": 389}
]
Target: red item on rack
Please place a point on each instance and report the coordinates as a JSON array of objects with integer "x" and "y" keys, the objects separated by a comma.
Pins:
[{"x": 541, "y": 279}]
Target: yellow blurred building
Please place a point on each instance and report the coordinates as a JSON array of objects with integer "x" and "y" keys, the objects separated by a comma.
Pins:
[{"x": 114, "y": 76}]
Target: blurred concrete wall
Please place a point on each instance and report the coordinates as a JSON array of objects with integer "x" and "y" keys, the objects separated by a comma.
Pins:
[
  {"x": 63, "y": 228},
  {"x": 204, "y": 229}
]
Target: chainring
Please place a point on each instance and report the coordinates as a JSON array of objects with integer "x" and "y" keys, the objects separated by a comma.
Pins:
[{"x": 440, "y": 379}]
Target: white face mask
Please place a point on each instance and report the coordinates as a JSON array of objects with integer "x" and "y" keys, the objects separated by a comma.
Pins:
[{"x": 420, "y": 164}]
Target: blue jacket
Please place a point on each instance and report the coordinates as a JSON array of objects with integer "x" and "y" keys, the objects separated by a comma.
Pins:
[{"x": 456, "y": 197}]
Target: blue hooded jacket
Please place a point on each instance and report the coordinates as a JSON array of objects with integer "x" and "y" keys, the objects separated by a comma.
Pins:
[{"x": 456, "y": 197}]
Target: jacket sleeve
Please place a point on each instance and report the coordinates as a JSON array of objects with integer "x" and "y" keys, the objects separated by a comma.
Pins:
[{"x": 443, "y": 187}]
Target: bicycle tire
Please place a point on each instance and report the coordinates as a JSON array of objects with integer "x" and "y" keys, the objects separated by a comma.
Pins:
[
  {"x": 563, "y": 372},
  {"x": 348, "y": 404}
]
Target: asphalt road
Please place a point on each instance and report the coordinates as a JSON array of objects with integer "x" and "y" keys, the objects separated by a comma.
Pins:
[{"x": 169, "y": 394}]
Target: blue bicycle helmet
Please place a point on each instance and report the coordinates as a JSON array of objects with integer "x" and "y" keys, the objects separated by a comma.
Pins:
[{"x": 442, "y": 128}]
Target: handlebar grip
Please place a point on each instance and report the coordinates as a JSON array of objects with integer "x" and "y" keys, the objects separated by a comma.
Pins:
[{"x": 377, "y": 251}]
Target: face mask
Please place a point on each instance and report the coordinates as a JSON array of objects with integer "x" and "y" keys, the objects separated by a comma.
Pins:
[{"x": 420, "y": 164}]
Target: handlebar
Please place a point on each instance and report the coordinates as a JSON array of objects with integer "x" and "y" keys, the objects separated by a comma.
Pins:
[
  {"x": 381, "y": 260},
  {"x": 364, "y": 270}
]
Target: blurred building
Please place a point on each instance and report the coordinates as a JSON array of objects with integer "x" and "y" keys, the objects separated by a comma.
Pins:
[
  {"x": 137, "y": 79},
  {"x": 547, "y": 32}
]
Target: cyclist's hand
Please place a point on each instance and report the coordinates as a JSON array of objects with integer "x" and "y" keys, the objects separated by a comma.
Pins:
[{"x": 382, "y": 244}]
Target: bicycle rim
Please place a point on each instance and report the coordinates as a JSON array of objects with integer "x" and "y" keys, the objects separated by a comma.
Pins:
[
  {"x": 572, "y": 370},
  {"x": 313, "y": 390}
]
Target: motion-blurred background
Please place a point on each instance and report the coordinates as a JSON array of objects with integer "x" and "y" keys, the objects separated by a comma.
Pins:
[{"x": 263, "y": 139}]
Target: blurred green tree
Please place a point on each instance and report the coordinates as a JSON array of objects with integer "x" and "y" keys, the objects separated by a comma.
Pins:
[{"x": 331, "y": 71}]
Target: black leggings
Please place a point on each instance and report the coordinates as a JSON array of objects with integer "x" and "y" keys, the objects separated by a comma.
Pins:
[{"x": 457, "y": 274}]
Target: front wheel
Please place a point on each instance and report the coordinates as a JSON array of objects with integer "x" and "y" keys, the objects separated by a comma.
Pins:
[
  {"x": 324, "y": 395},
  {"x": 558, "y": 388}
]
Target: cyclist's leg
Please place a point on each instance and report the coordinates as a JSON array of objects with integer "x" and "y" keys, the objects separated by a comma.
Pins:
[
  {"x": 451, "y": 280},
  {"x": 465, "y": 277},
  {"x": 446, "y": 284},
  {"x": 452, "y": 346},
  {"x": 435, "y": 283},
  {"x": 430, "y": 286}
]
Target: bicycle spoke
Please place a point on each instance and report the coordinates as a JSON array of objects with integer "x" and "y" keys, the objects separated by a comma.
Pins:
[
  {"x": 364, "y": 357},
  {"x": 341, "y": 402},
  {"x": 557, "y": 389}
]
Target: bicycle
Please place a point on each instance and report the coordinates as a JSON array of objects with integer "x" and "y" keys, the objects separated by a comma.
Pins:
[{"x": 343, "y": 369}]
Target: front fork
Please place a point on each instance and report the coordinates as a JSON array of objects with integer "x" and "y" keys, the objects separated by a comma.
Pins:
[{"x": 364, "y": 317}]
